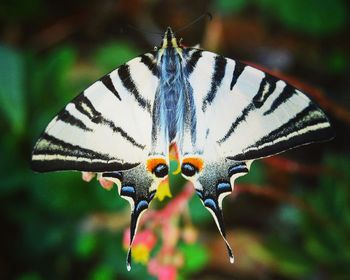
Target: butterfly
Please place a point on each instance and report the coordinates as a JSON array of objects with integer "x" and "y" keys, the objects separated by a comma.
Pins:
[{"x": 221, "y": 114}]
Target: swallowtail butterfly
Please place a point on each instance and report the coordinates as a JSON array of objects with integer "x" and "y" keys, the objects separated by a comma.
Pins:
[{"x": 221, "y": 114}]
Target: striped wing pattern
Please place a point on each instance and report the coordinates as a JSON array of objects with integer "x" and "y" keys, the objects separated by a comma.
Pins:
[
  {"x": 250, "y": 114},
  {"x": 107, "y": 129},
  {"x": 221, "y": 113},
  {"x": 97, "y": 131},
  {"x": 242, "y": 114}
]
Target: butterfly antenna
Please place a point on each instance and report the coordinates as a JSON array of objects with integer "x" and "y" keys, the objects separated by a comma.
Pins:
[
  {"x": 207, "y": 14},
  {"x": 129, "y": 26}
]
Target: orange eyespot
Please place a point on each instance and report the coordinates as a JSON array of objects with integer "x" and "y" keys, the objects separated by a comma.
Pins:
[
  {"x": 194, "y": 161},
  {"x": 154, "y": 163}
]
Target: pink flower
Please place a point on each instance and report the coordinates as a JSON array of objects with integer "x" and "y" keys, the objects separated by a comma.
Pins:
[
  {"x": 87, "y": 176},
  {"x": 162, "y": 271},
  {"x": 146, "y": 237},
  {"x": 143, "y": 244},
  {"x": 106, "y": 184}
]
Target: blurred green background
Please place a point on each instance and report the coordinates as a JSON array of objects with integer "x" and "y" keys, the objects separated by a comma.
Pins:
[{"x": 288, "y": 219}]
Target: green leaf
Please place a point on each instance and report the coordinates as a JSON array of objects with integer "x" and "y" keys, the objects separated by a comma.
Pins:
[
  {"x": 113, "y": 54},
  {"x": 338, "y": 61},
  {"x": 199, "y": 215},
  {"x": 12, "y": 102},
  {"x": 231, "y": 6},
  {"x": 67, "y": 193},
  {"x": 64, "y": 193},
  {"x": 29, "y": 276},
  {"x": 176, "y": 181},
  {"x": 57, "y": 67},
  {"x": 288, "y": 260},
  {"x": 314, "y": 17},
  {"x": 196, "y": 256},
  {"x": 103, "y": 272},
  {"x": 50, "y": 80},
  {"x": 318, "y": 249},
  {"x": 86, "y": 244},
  {"x": 320, "y": 235},
  {"x": 256, "y": 174}
]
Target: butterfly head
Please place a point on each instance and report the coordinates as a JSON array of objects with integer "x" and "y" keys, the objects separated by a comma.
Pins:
[{"x": 169, "y": 39}]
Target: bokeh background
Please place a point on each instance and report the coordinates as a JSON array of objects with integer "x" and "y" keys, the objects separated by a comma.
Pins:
[{"x": 288, "y": 219}]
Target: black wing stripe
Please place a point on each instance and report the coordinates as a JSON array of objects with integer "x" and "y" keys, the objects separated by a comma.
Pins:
[
  {"x": 286, "y": 94},
  {"x": 192, "y": 62},
  {"x": 191, "y": 116},
  {"x": 89, "y": 160},
  {"x": 66, "y": 149},
  {"x": 302, "y": 121},
  {"x": 298, "y": 140},
  {"x": 218, "y": 75},
  {"x": 87, "y": 166},
  {"x": 240, "y": 119},
  {"x": 107, "y": 81},
  {"x": 267, "y": 87},
  {"x": 150, "y": 63},
  {"x": 128, "y": 83},
  {"x": 84, "y": 105},
  {"x": 66, "y": 117},
  {"x": 122, "y": 133},
  {"x": 239, "y": 68},
  {"x": 116, "y": 175}
]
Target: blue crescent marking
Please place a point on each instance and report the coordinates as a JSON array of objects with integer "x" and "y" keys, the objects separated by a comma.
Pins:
[
  {"x": 237, "y": 169},
  {"x": 128, "y": 190},
  {"x": 200, "y": 194},
  {"x": 141, "y": 204},
  {"x": 210, "y": 203},
  {"x": 224, "y": 187}
]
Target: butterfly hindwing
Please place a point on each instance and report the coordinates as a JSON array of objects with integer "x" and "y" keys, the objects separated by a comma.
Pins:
[
  {"x": 138, "y": 186},
  {"x": 213, "y": 180}
]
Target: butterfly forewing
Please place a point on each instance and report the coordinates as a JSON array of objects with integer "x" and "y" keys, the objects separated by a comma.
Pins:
[
  {"x": 100, "y": 130},
  {"x": 251, "y": 114}
]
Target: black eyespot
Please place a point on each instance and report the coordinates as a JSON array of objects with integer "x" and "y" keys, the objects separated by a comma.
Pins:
[
  {"x": 188, "y": 169},
  {"x": 161, "y": 170}
]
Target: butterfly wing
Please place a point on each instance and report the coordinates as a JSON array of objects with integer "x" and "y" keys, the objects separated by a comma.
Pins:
[
  {"x": 241, "y": 114},
  {"x": 252, "y": 114},
  {"x": 100, "y": 130},
  {"x": 108, "y": 129}
]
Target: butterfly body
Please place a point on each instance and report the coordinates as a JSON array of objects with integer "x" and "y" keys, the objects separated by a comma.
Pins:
[
  {"x": 220, "y": 113},
  {"x": 174, "y": 99}
]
